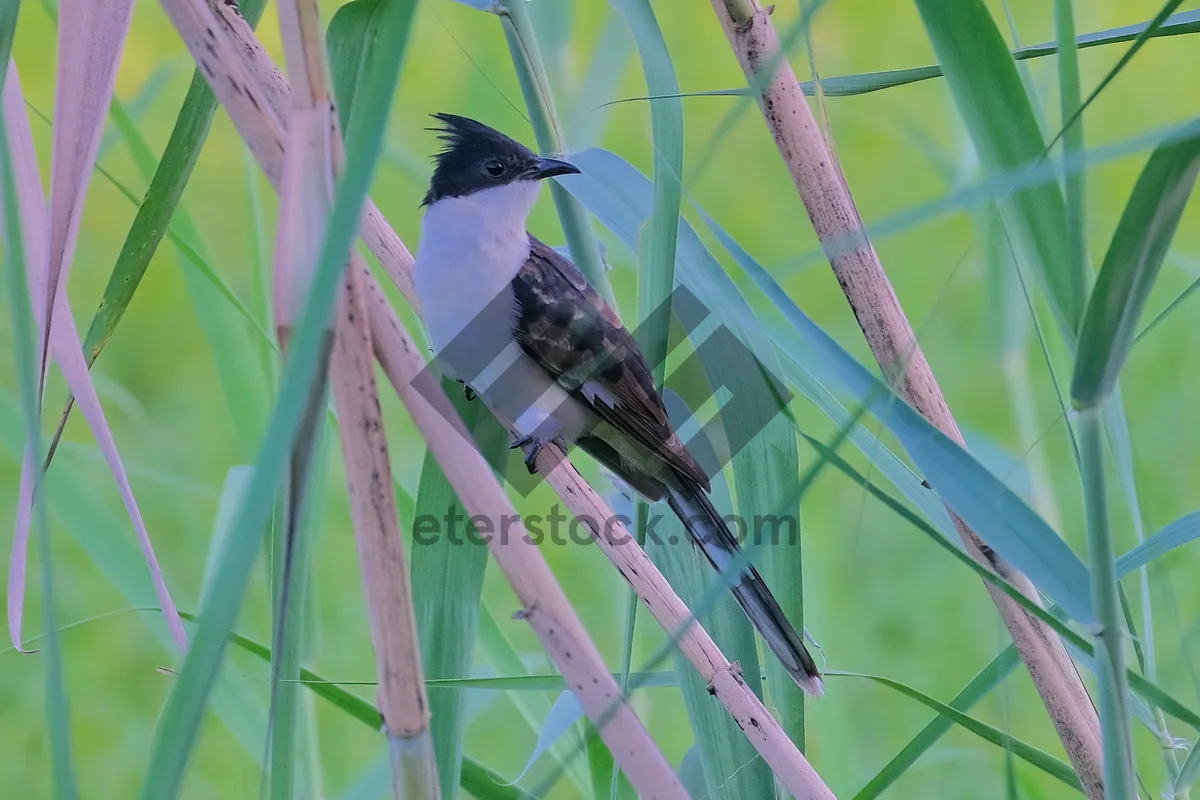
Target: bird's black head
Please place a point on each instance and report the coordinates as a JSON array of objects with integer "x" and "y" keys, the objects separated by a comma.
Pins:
[{"x": 478, "y": 157}]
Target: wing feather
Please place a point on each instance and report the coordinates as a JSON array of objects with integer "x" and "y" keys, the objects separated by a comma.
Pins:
[{"x": 566, "y": 327}]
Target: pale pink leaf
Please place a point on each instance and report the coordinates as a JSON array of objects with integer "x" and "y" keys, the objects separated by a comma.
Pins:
[
  {"x": 34, "y": 235},
  {"x": 68, "y": 351},
  {"x": 91, "y": 38}
]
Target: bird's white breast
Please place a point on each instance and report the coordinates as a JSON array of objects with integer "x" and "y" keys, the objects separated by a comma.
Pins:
[{"x": 471, "y": 248}]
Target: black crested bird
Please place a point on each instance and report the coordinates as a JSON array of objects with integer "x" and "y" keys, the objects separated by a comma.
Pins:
[{"x": 520, "y": 325}]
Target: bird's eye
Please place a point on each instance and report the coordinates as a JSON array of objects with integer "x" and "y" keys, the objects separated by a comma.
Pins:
[{"x": 495, "y": 168}]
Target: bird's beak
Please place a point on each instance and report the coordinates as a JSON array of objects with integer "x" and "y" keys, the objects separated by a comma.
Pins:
[{"x": 549, "y": 167}]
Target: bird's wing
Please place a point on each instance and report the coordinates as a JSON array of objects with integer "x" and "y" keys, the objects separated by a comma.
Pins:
[{"x": 566, "y": 327}]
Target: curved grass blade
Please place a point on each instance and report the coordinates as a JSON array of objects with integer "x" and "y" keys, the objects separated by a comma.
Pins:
[
  {"x": 1026, "y": 752},
  {"x": 989, "y": 677},
  {"x": 1178, "y": 533},
  {"x": 565, "y": 712},
  {"x": 17, "y": 215},
  {"x": 1131, "y": 266},
  {"x": 486, "y": 784}
]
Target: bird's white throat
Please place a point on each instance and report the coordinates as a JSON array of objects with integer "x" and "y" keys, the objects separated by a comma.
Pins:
[{"x": 471, "y": 248}]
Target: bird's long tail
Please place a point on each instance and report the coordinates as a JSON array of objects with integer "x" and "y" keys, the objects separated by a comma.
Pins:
[{"x": 712, "y": 535}]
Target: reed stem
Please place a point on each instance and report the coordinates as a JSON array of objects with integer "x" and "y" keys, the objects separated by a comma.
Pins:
[{"x": 1112, "y": 685}]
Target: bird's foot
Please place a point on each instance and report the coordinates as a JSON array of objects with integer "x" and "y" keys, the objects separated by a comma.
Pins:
[{"x": 532, "y": 444}]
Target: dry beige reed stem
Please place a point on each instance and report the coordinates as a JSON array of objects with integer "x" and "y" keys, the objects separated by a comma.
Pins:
[
  {"x": 246, "y": 82},
  {"x": 402, "y": 698},
  {"x": 831, "y": 208},
  {"x": 313, "y": 158},
  {"x": 724, "y": 678}
]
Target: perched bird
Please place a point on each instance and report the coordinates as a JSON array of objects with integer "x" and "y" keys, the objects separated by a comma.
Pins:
[{"x": 523, "y": 329}]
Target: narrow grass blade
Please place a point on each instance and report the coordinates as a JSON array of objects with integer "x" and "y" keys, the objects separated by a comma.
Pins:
[
  {"x": 31, "y": 211},
  {"x": 1189, "y": 772},
  {"x": 346, "y": 40},
  {"x": 656, "y": 274},
  {"x": 588, "y": 116},
  {"x": 161, "y": 199},
  {"x": 16, "y": 212},
  {"x": 1026, "y": 752},
  {"x": 533, "y": 706},
  {"x": 1130, "y": 268},
  {"x": 565, "y": 712},
  {"x": 656, "y": 267},
  {"x": 601, "y": 766},
  {"x": 1139, "y": 41},
  {"x": 999, "y": 117},
  {"x": 864, "y": 83},
  {"x": 531, "y": 73},
  {"x": 1178, "y": 533},
  {"x": 989, "y": 677},
  {"x": 1069, "y": 96},
  {"x": 615, "y": 192},
  {"x": 486, "y": 784},
  {"x": 447, "y": 583},
  {"x": 181, "y": 718}
]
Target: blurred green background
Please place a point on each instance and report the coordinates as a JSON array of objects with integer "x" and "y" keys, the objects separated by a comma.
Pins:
[{"x": 879, "y": 597}]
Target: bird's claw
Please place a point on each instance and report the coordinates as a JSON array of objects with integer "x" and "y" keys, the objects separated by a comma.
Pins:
[{"x": 534, "y": 445}]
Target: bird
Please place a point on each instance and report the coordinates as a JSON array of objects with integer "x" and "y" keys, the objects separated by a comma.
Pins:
[{"x": 522, "y": 328}]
